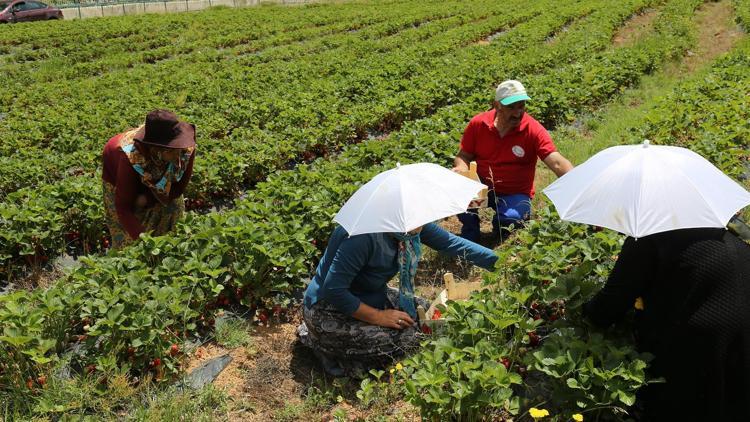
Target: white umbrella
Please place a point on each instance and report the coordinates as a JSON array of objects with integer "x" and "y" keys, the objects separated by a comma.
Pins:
[
  {"x": 645, "y": 189},
  {"x": 407, "y": 197}
]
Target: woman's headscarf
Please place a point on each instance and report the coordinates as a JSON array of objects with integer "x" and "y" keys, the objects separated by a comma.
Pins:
[
  {"x": 156, "y": 172},
  {"x": 409, "y": 251}
]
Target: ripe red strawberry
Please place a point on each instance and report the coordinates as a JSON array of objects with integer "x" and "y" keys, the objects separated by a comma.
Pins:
[
  {"x": 533, "y": 339},
  {"x": 506, "y": 362},
  {"x": 156, "y": 363},
  {"x": 426, "y": 329},
  {"x": 42, "y": 380},
  {"x": 263, "y": 316},
  {"x": 174, "y": 350},
  {"x": 437, "y": 314}
]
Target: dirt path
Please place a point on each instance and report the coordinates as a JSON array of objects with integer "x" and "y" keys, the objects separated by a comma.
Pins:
[
  {"x": 717, "y": 34},
  {"x": 636, "y": 26},
  {"x": 276, "y": 379}
]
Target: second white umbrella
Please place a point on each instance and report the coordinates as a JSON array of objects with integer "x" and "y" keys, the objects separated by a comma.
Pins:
[
  {"x": 407, "y": 197},
  {"x": 645, "y": 189}
]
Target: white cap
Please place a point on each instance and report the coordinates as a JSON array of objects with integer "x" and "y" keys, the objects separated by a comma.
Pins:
[{"x": 510, "y": 92}]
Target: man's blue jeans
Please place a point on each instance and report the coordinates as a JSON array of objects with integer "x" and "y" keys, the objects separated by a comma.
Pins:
[{"x": 509, "y": 209}]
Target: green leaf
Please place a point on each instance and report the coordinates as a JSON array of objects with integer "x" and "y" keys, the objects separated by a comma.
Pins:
[
  {"x": 625, "y": 397},
  {"x": 115, "y": 312}
]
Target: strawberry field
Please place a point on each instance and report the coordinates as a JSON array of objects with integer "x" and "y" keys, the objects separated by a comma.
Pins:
[{"x": 296, "y": 108}]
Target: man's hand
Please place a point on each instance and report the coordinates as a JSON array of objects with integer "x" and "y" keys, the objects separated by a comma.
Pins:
[{"x": 462, "y": 160}]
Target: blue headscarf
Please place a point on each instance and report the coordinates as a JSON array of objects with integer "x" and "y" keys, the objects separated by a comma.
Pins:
[{"x": 409, "y": 251}]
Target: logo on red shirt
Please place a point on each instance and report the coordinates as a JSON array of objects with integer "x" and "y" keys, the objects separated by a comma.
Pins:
[{"x": 518, "y": 151}]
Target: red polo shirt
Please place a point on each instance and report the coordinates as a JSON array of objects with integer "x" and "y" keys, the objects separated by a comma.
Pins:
[{"x": 509, "y": 161}]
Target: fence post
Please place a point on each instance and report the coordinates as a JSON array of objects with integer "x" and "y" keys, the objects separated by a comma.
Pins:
[
  {"x": 187, "y": 6},
  {"x": 165, "y": 6},
  {"x": 79, "y": 9},
  {"x": 123, "y": 9}
]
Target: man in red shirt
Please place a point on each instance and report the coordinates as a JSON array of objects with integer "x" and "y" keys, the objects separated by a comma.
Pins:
[{"x": 506, "y": 142}]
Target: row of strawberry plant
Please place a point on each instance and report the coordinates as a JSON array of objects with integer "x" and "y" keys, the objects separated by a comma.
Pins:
[
  {"x": 27, "y": 202},
  {"x": 86, "y": 41},
  {"x": 742, "y": 11},
  {"x": 211, "y": 40},
  {"x": 523, "y": 343},
  {"x": 130, "y": 307}
]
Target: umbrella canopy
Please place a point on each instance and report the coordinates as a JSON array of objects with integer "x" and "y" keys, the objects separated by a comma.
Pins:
[
  {"x": 645, "y": 189},
  {"x": 407, "y": 197}
]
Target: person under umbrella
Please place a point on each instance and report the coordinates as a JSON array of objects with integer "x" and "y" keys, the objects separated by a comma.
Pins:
[
  {"x": 686, "y": 275},
  {"x": 506, "y": 143},
  {"x": 352, "y": 320},
  {"x": 145, "y": 172}
]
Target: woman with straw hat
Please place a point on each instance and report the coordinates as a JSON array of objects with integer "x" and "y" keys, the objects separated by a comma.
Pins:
[{"x": 145, "y": 172}]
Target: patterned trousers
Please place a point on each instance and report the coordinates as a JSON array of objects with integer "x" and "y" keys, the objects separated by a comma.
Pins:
[{"x": 355, "y": 345}]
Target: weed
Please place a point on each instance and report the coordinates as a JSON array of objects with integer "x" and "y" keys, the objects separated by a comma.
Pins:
[{"x": 233, "y": 332}]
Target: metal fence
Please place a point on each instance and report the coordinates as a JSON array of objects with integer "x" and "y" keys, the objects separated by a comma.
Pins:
[{"x": 102, "y": 8}]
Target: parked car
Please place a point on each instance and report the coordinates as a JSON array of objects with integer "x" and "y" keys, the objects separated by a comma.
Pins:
[{"x": 27, "y": 10}]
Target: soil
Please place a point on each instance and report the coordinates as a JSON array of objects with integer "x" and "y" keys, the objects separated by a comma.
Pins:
[
  {"x": 39, "y": 278},
  {"x": 275, "y": 372},
  {"x": 717, "y": 34},
  {"x": 634, "y": 27}
]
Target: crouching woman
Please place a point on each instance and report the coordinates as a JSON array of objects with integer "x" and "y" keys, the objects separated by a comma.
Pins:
[{"x": 352, "y": 320}]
